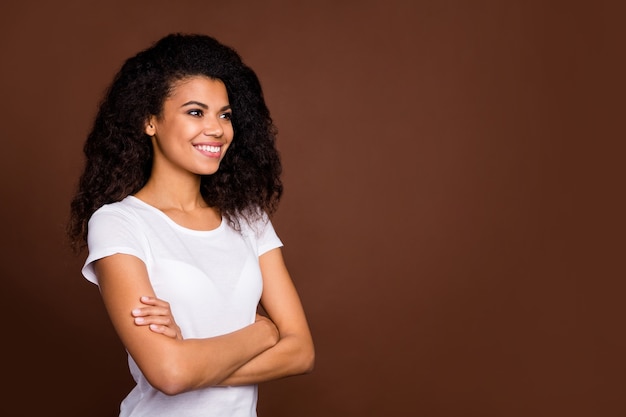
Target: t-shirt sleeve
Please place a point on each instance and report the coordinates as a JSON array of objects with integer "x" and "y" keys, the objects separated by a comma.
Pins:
[
  {"x": 267, "y": 239},
  {"x": 111, "y": 231}
]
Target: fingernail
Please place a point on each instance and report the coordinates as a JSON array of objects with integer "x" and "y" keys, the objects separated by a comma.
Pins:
[
  {"x": 145, "y": 298},
  {"x": 139, "y": 320},
  {"x": 135, "y": 312}
]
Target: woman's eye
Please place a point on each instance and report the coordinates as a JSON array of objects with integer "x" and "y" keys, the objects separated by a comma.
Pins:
[
  {"x": 227, "y": 116},
  {"x": 197, "y": 113}
]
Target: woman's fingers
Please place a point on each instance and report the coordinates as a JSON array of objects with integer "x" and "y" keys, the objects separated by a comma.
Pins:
[
  {"x": 164, "y": 330},
  {"x": 156, "y": 307},
  {"x": 154, "y": 301},
  {"x": 150, "y": 311},
  {"x": 154, "y": 319},
  {"x": 158, "y": 316}
]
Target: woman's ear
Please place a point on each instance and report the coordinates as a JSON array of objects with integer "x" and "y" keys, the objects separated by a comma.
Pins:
[{"x": 149, "y": 128}]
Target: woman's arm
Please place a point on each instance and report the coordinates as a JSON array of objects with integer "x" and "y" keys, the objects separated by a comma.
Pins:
[
  {"x": 294, "y": 353},
  {"x": 170, "y": 364}
]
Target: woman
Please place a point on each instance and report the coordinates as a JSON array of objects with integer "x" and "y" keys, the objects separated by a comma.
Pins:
[{"x": 181, "y": 178}]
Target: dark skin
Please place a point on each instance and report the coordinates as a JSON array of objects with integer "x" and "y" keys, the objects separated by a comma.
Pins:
[{"x": 190, "y": 138}]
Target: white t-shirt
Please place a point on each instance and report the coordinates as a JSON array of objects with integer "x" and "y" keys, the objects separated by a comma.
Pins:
[{"x": 211, "y": 279}]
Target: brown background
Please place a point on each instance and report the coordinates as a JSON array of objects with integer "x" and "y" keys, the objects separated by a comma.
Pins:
[{"x": 453, "y": 214}]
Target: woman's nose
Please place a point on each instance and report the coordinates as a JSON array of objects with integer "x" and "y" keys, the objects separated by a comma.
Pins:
[{"x": 213, "y": 127}]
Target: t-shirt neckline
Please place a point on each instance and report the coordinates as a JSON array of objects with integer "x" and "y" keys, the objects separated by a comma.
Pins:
[{"x": 169, "y": 220}]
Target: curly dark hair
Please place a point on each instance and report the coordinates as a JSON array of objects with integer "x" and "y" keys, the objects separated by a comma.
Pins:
[{"x": 119, "y": 153}]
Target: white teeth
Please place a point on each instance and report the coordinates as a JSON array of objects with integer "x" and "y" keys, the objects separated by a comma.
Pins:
[{"x": 208, "y": 148}]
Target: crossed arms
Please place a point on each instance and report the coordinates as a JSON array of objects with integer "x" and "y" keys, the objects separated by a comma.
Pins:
[{"x": 270, "y": 348}]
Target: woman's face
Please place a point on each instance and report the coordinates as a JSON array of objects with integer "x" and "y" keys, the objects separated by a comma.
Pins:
[{"x": 194, "y": 129}]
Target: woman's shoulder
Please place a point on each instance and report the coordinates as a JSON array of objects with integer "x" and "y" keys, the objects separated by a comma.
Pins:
[
  {"x": 254, "y": 221},
  {"x": 259, "y": 228},
  {"x": 114, "y": 206},
  {"x": 127, "y": 208}
]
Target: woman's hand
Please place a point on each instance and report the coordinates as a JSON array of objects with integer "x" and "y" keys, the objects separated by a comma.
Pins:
[{"x": 158, "y": 317}]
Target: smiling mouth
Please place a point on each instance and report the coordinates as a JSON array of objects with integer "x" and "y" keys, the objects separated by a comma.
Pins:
[{"x": 208, "y": 148}]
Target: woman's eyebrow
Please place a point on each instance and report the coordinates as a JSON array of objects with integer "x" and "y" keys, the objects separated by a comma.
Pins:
[
  {"x": 204, "y": 106},
  {"x": 195, "y": 103}
]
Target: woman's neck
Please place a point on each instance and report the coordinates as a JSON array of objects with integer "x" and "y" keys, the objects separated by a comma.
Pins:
[
  {"x": 185, "y": 206},
  {"x": 167, "y": 194}
]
